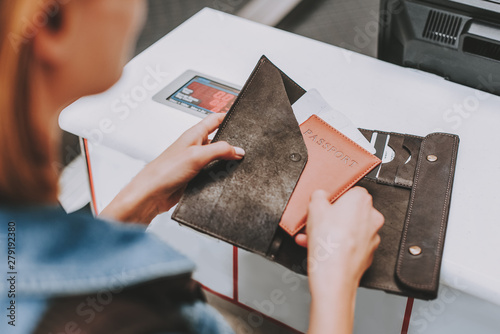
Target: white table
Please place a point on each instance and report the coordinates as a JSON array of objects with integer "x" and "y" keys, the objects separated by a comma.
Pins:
[{"x": 374, "y": 94}]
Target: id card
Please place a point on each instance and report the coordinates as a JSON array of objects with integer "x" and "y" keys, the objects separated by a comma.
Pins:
[{"x": 198, "y": 94}]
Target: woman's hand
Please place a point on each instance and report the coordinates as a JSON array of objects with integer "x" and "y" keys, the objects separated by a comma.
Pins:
[
  {"x": 350, "y": 226},
  {"x": 159, "y": 186},
  {"x": 341, "y": 240}
]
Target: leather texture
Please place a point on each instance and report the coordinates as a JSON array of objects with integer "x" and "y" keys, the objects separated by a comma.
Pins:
[
  {"x": 427, "y": 216},
  {"x": 415, "y": 215},
  {"x": 335, "y": 164},
  {"x": 243, "y": 202}
]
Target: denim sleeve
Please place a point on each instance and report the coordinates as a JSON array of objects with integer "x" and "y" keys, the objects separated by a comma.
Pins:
[{"x": 204, "y": 319}]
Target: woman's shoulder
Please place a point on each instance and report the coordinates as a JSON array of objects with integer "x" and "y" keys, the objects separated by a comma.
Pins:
[{"x": 60, "y": 254}]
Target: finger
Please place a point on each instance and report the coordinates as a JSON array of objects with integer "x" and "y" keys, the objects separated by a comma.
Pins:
[
  {"x": 378, "y": 219},
  {"x": 357, "y": 192},
  {"x": 376, "y": 241},
  {"x": 320, "y": 196},
  {"x": 369, "y": 261},
  {"x": 198, "y": 134},
  {"x": 301, "y": 239},
  {"x": 318, "y": 205},
  {"x": 218, "y": 151},
  {"x": 319, "y": 199}
]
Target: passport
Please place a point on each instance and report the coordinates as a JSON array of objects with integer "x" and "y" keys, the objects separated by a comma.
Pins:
[{"x": 335, "y": 164}]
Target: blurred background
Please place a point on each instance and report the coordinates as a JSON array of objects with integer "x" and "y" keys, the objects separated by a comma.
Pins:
[
  {"x": 352, "y": 24},
  {"x": 458, "y": 40}
]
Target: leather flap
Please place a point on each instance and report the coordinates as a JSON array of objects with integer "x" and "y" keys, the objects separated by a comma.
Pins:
[
  {"x": 422, "y": 241},
  {"x": 241, "y": 202}
]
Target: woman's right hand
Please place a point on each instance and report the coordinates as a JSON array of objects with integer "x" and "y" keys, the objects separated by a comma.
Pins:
[
  {"x": 342, "y": 236},
  {"x": 341, "y": 240}
]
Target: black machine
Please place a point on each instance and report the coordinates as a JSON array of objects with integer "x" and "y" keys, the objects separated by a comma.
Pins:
[{"x": 456, "y": 39}]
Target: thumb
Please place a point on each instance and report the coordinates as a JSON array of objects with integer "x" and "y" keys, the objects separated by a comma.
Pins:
[
  {"x": 318, "y": 205},
  {"x": 301, "y": 239}
]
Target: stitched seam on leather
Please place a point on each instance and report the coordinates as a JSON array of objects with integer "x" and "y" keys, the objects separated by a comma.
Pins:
[
  {"x": 349, "y": 139},
  {"x": 445, "y": 205},
  {"x": 407, "y": 135},
  {"x": 379, "y": 181},
  {"x": 290, "y": 231},
  {"x": 223, "y": 126},
  {"x": 352, "y": 182},
  {"x": 402, "y": 185},
  {"x": 382, "y": 286},
  {"x": 410, "y": 210},
  {"x": 243, "y": 94},
  {"x": 394, "y": 133},
  {"x": 217, "y": 236},
  {"x": 287, "y": 78},
  {"x": 388, "y": 288}
]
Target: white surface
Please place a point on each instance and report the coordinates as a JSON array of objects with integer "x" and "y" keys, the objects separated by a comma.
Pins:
[
  {"x": 378, "y": 312},
  {"x": 111, "y": 171},
  {"x": 373, "y": 94},
  {"x": 74, "y": 191},
  {"x": 454, "y": 312},
  {"x": 273, "y": 290}
]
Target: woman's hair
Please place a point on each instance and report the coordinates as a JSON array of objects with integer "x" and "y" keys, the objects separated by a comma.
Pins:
[{"x": 27, "y": 174}]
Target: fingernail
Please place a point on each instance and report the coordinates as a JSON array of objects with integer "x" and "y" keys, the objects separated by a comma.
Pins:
[{"x": 239, "y": 151}]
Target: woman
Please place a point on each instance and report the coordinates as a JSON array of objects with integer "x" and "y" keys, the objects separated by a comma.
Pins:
[{"x": 77, "y": 274}]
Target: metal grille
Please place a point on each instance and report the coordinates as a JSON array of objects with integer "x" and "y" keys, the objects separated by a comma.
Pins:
[{"x": 442, "y": 27}]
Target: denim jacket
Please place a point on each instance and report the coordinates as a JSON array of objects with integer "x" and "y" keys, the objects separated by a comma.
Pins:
[{"x": 53, "y": 254}]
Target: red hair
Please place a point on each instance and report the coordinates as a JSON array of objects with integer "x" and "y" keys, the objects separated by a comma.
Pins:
[{"x": 27, "y": 174}]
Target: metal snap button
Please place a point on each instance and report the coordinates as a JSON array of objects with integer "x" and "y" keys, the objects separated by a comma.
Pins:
[
  {"x": 295, "y": 157},
  {"x": 415, "y": 250},
  {"x": 432, "y": 157}
]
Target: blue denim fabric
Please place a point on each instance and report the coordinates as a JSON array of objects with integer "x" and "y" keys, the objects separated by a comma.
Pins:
[{"x": 61, "y": 255}]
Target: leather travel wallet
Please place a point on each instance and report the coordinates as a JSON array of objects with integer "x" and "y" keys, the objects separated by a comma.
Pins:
[
  {"x": 335, "y": 164},
  {"x": 242, "y": 202}
]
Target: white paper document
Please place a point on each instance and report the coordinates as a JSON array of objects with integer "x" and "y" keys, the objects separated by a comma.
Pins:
[{"x": 312, "y": 103}]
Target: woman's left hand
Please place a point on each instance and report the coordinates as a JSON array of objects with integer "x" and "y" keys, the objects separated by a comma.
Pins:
[{"x": 159, "y": 186}]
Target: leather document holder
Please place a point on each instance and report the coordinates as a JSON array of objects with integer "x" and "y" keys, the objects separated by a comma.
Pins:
[
  {"x": 242, "y": 202},
  {"x": 335, "y": 164}
]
